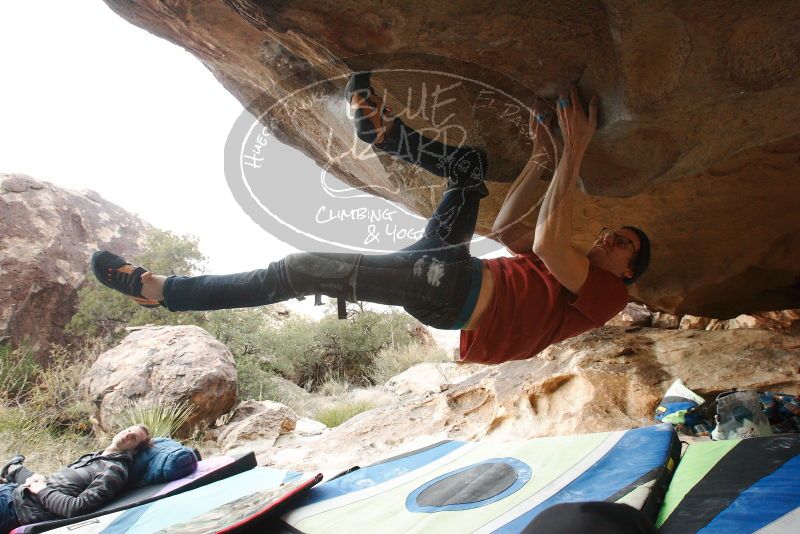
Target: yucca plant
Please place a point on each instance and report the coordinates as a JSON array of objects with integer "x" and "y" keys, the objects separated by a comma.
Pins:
[{"x": 163, "y": 420}]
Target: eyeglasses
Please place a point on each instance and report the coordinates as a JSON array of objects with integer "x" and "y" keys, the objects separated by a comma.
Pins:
[{"x": 618, "y": 240}]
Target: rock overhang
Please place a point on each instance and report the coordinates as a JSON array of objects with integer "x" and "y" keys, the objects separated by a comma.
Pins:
[{"x": 699, "y": 136}]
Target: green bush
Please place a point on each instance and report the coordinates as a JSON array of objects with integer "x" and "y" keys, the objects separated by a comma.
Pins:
[
  {"x": 104, "y": 312},
  {"x": 56, "y": 400},
  {"x": 338, "y": 413},
  {"x": 243, "y": 331},
  {"x": 21, "y": 430},
  {"x": 168, "y": 253},
  {"x": 308, "y": 352},
  {"x": 18, "y": 370},
  {"x": 48, "y": 420},
  {"x": 247, "y": 334},
  {"x": 256, "y": 380}
]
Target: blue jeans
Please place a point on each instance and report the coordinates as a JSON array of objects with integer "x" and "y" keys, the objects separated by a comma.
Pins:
[
  {"x": 436, "y": 280},
  {"x": 8, "y": 514}
]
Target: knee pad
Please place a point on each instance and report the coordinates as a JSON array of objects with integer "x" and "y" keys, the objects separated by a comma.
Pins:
[{"x": 331, "y": 274}]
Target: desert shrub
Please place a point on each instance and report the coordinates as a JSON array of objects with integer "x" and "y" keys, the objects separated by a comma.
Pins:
[
  {"x": 392, "y": 361},
  {"x": 308, "y": 353},
  {"x": 51, "y": 400},
  {"x": 46, "y": 451},
  {"x": 334, "y": 385},
  {"x": 167, "y": 253},
  {"x": 18, "y": 370},
  {"x": 104, "y": 312},
  {"x": 56, "y": 399},
  {"x": 15, "y": 420},
  {"x": 245, "y": 331},
  {"x": 338, "y": 413},
  {"x": 50, "y": 422},
  {"x": 163, "y": 420},
  {"x": 48, "y": 395},
  {"x": 255, "y": 379}
]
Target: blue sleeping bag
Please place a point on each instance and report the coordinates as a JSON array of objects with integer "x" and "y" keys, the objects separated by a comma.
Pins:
[{"x": 166, "y": 460}]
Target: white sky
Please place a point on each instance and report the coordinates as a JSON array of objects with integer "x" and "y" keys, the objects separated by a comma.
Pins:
[{"x": 89, "y": 101}]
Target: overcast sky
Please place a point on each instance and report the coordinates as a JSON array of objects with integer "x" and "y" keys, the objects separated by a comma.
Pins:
[{"x": 88, "y": 100}]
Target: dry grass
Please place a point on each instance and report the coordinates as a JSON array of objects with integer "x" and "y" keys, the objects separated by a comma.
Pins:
[
  {"x": 393, "y": 361},
  {"x": 338, "y": 413},
  {"x": 45, "y": 450},
  {"x": 335, "y": 385},
  {"x": 48, "y": 420}
]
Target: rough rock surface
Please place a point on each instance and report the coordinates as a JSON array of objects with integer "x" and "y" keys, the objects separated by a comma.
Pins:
[
  {"x": 786, "y": 321},
  {"x": 427, "y": 378},
  {"x": 162, "y": 365},
  {"x": 47, "y": 235},
  {"x": 632, "y": 315},
  {"x": 665, "y": 320},
  {"x": 256, "y": 424},
  {"x": 699, "y": 133},
  {"x": 608, "y": 379}
]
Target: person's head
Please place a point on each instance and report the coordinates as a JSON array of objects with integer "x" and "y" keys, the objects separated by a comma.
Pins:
[
  {"x": 624, "y": 252},
  {"x": 133, "y": 438}
]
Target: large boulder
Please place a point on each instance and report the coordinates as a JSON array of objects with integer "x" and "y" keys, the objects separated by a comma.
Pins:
[
  {"x": 427, "y": 378},
  {"x": 698, "y": 137},
  {"x": 47, "y": 235},
  {"x": 163, "y": 365},
  {"x": 256, "y": 424},
  {"x": 609, "y": 379}
]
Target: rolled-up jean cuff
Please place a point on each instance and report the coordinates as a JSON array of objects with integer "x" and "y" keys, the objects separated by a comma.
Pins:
[{"x": 472, "y": 297}]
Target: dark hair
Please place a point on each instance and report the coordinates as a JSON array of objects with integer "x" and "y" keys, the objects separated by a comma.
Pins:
[
  {"x": 642, "y": 258},
  {"x": 146, "y": 444}
]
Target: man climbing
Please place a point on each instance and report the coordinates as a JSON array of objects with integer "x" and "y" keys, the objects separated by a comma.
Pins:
[{"x": 507, "y": 308}]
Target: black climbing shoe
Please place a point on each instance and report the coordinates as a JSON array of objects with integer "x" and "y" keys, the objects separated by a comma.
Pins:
[
  {"x": 114, "y": 272},
  {"x": 372, "y": 116},
  {"x": 16, "y": 460}
]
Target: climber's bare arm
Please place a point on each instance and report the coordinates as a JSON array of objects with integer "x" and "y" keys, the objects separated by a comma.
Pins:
[
  {"x": 553, "y": 236},
  {"x": 514, "y": 223}
]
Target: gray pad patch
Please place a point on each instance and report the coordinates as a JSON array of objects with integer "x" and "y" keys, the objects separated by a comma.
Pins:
[{"x": 479, "y": 483}]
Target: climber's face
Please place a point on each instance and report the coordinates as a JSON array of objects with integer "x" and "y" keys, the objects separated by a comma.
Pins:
[{"x": 615, "y": 251}]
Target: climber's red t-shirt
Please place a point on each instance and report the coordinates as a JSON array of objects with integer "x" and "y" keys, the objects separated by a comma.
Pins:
[{"x": 531, "y": 310}]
